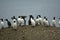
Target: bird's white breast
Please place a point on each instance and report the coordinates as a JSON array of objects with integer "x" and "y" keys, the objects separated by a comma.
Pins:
[
  {"x": 37, "y": 20},
  {"x": 59, "y": 22},
  {"x": 53, "y": 21},
  {"x": 40, "y": 19},
  {"x": 19, "y": 20},
  {"x": 2, "y": 23},
  {"x": 44, "y": 20},
  {"x": 47, "y": 23},
  {"x": 32, "y": 22}
]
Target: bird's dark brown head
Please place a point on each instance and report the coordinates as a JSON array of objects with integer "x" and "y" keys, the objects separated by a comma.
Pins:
[
  {"x": 54, "y": 18},
  {"x": 44, "y": 17},
  {"x": 14, "y": 21},
  {"x": 1, "y": 19},
  {"x": 19, "y": 16},
  {"x": 39, "y": 15},
  {"x": 6, "y": 19},
  {"x": 14, "y": 17},
  {"x": 31, "y": 17}
]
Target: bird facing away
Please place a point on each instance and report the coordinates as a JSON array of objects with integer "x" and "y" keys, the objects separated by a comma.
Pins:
[{"x": 8, "y": 23}]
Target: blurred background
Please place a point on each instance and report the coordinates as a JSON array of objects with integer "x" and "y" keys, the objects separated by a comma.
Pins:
[{"x": 49, "y": 8}]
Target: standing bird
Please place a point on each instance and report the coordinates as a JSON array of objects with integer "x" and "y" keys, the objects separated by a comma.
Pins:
[
  {"x": 14, "y": 19},
  {"x": 32, "y": 21},
  {"x": 14, "y": 25},
  {"x": 46, "y": 23},
  {"x": 8, "y": 23},
  {"x": 23, "y": 17},
  {"x": 37, "y": 20},
  {"x": 20, "y": 21},
  {"x": 53, "y": 22},
  {"x": 2, "y": 23},
  {"x": 40, "y": 20}
]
